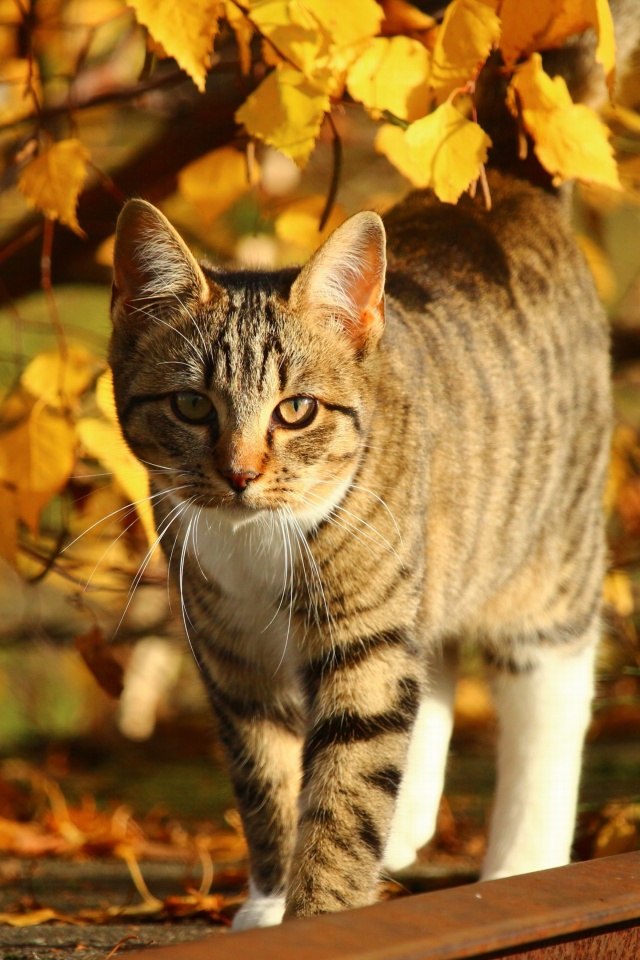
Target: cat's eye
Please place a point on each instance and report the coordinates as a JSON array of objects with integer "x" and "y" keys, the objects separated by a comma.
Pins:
[
  {"x": 193, "y": 407},
  {"x": 295, "y": 412}
]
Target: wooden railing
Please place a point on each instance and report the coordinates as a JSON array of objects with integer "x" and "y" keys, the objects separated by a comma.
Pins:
[{"x": 588, "y": 910}]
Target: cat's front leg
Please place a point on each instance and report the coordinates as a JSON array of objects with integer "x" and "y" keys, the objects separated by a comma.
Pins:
[
  {"x": 363, "y": 703},
  {"x": 262, "y": 738}
]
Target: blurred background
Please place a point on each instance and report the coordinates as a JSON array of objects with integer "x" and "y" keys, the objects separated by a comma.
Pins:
[{"x": 99, "y": 699}]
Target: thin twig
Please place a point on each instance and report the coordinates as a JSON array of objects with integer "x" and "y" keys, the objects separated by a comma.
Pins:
[
  {"x": 47, "y": 286},
  {"x": 335, "y": 174}
]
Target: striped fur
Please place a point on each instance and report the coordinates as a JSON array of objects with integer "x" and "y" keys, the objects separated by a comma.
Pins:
[{"x": 448, "y": 489}]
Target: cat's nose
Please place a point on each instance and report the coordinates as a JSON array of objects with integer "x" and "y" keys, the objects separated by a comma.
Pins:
[{"x": 239, "y": 481}]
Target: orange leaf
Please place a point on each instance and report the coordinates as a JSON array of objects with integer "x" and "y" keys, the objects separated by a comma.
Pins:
[
  {"x": 52, "y": 181},
  {"x": 548, "y": 23},
  {"x": 98, "y": 656}
]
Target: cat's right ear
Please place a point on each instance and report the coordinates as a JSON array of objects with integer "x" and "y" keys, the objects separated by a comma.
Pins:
[{"x": 151, "y": 263}]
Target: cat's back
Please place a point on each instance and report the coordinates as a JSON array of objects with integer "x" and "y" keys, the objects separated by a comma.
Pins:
[{"x": 493, "y": 319}]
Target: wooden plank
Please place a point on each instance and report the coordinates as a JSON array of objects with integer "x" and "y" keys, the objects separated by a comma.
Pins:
[{"x": 571, "y": 908}]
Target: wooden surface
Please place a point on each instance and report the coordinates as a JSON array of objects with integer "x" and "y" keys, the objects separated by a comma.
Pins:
[{"x": 583, "y": 907}]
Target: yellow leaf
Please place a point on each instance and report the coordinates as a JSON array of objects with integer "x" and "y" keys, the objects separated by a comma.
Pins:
[
  {"x": 347, "y": 23},
  {"x": 104, "y": 396},
  {"x": 214, "y": 182},
  {"x": 298, "y": 225},
  {"x": 293, "y": 31},
  {"x": 390, "y": 141},
  {"x": 403, "y": 17},
  {"x": 15, "y": 101},
  {"x": 570, "y": 140},
  {"x": 548, "y": 23},
  {"x": 392, "y": 75},
  {"x": 286, "y": 111},
  {"x": 449, "y": 149},
  {"x": 243, "y": 30},
  {"x": 617, "y": 592},
  {"x": 468, "y": 32},
  {"x": 185, "y": 30},
  {"x": 37, "y": 454},
  {"x": 104, "y": 442},
  {"x": 53, "y": 180},
  {"x": 57, "y": 379}
]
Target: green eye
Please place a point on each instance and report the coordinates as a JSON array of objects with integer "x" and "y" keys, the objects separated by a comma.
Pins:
[
  {"x": 192, "y": 407},
  {"x": 296, "y": 411}
]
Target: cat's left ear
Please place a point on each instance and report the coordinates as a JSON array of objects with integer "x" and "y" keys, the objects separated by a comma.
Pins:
[
  {"x": 344, "y": 280},
  {"x": 151, "y": 261}
]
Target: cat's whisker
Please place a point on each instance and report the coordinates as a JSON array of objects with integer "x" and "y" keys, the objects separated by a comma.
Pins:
[
  {"x": 288, "y": 553},
  {"x": 145, "y": 563},
  {"x": 183, "y": 606},
  {"x": 196, "y": 550},
  {"x": 347, "y": 525},
  {"x": 126, "y": 508},
  {"x": 302, "y": 540}
]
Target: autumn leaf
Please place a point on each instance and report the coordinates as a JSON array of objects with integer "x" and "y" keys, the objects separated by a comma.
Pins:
[
  {"x": 58, "y": 379},
  {"x": 618, "y": 592},
  {"x": 286, "y": 111},
  {"x": 390, "y": 141},
  {"x": 547, "y": 23},
  {"x": 185, "y": 30},
  {"x": 37, "y": 454},
  {"x": 15, "y": 100},
  {"x": 466, "y": 36},
  {"x": 443, "y": 151},
  {"x": 569, "y": 139},
  {"x": 103, "y": 440},
  {"x": 243, "y": 29},
  {"x": 403, "y": 17},
  {"x": 347, "y": 23},
  {"x": 292, "y": 30},
  {"x": 392, "y": 75},
  {"x": 52, "y": 181},
  {"x": 214, "y": 182},
  {"x": 97, "y": 653}
]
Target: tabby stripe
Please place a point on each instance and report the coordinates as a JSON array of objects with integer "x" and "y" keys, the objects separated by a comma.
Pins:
[
  {"x": 138, "y": 400},
  {"x": 368, "y": 832},
  {"x": 347, "y": 411},
  {"x": 357, "y": 651},
  {"x": 349, "y": 728},
  {"x": 287, "y": 717},
  {"x": 386, "y": 779}
]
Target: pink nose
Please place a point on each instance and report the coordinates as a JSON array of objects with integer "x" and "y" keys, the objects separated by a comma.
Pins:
[{"x": 239, "y": 481}]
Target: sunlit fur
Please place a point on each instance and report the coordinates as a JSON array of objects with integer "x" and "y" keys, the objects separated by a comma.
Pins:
[{"x": 448, "y": 489}]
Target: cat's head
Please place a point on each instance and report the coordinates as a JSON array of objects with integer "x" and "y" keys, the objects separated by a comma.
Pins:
[{"x": 247, "y": 390}]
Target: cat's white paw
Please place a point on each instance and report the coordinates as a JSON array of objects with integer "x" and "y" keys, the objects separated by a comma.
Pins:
[
  {"x": 259, "y": 911},
  {"x": 398, "y": 854}
]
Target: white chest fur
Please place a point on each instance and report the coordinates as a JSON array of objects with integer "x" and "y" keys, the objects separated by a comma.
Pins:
[{"x": 251, "y": 561}]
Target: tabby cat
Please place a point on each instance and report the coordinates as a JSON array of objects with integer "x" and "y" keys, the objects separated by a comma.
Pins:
[{"x": 356, "y": 466}]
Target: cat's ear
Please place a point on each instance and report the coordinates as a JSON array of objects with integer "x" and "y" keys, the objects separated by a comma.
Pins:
[
  {"x": 151, "y": 262},
  {"x": 344, "y": 280}
]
